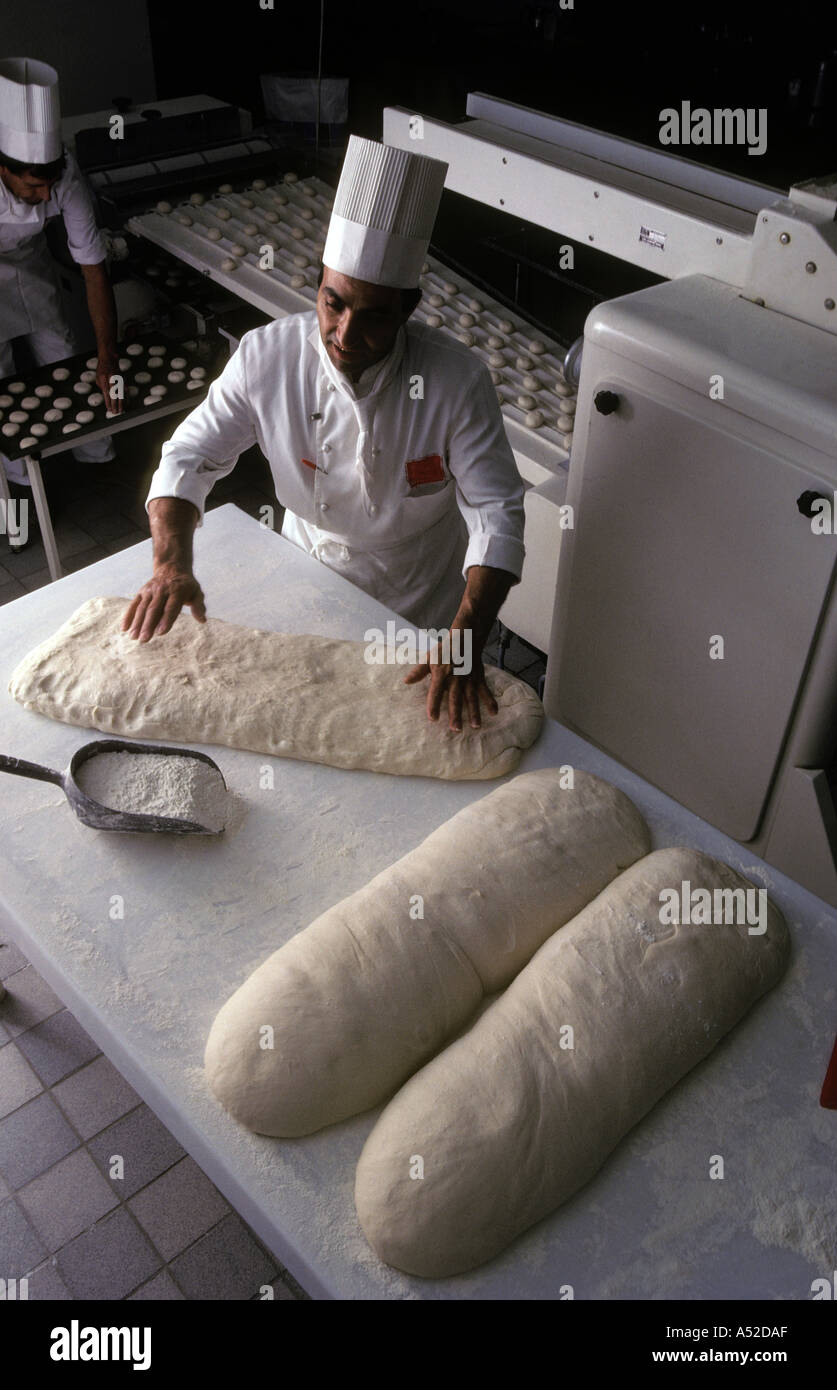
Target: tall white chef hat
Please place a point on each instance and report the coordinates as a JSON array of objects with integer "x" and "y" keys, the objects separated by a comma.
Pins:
[
  {"x": 383, "y": 215},
  {"x": 30, "y": 116}
]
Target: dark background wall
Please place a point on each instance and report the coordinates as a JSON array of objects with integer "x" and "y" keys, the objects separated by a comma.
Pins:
[
  {"x": 610, "y": 66},
  {"x": 613, "y": 66},
  {"x": 99, "y": 47}
]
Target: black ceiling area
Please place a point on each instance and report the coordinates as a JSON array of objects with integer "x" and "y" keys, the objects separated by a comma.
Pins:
[{"x": 612, "y": 67}]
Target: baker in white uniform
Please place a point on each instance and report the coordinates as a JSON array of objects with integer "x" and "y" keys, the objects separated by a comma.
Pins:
[
  {"x": 39, "y": 180},
  {"x": 384, "y": 437}
]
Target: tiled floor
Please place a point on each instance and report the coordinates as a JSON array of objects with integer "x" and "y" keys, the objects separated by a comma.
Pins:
[
  {"x": 97, "y": 1199},
  {"x": 72, "y": 1221}
]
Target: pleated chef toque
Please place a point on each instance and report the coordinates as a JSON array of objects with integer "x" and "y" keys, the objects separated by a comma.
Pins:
[
  {"x": 30, "y": 115},
  {"x": 383, "y": 215}
]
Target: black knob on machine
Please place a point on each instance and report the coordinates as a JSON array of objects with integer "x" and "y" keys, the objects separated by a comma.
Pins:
[
  {"x": 606, "y": 402},
  {"x": 805, "y": 502}
]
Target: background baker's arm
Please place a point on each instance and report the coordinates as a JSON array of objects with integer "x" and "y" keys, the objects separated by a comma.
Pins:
[
  {"x": 102, "y": 310},
  {"x": 86, "y": 244}
]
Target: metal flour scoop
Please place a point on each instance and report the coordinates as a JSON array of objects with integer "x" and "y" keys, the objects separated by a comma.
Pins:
[{"x": 93, "y": 813}]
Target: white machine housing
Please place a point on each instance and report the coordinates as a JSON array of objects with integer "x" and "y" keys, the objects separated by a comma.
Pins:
[
  {"x": 694, "y": 628},
  {"x": 695, "y": 625}
]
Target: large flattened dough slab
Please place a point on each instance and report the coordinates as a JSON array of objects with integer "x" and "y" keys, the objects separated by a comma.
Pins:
[
  {"x": 370, "y": 990},
  {"x": 507, "y": 1121},
  {"x": 290, "y": 696}
]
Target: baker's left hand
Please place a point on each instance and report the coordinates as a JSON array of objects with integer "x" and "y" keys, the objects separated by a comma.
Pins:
[
  {"x": 107, "y": 365},
  {"x": 454, "y": 691}
]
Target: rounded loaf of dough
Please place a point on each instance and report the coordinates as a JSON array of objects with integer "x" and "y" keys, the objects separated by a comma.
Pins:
[
  {"x": 366, "y": 994},
  {"x": 508, "y": 1120}
]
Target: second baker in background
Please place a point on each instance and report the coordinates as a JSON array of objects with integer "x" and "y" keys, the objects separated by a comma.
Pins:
[
  {"x": 39, "y": 181},
  {"x": 384, "y": 437}
]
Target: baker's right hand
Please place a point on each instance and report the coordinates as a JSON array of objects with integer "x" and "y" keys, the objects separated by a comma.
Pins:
[{"x": 154, "y": 609}]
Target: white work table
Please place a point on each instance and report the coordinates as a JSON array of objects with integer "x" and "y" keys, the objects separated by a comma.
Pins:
[{"x": 201, "y": 914}]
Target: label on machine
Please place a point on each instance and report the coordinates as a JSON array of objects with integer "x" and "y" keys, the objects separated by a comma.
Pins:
[{"x": 652, "y": 238}]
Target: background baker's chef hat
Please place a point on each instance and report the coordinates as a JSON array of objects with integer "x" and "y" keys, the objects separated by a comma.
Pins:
[
  {"x": 30, "y": 116},
  {"x": 383, "y": 215}
]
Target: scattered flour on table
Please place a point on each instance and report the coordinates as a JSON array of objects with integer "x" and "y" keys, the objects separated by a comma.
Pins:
[
  {"x": 158, "y": 785},
  {"x": 784, "y": 1203}
]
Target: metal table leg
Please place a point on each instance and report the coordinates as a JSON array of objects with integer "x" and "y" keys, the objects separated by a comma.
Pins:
[
  {"x": 44, "y": 519},
  {"x": 503, "y": 642},
  {"x": 6, "y": 498}
]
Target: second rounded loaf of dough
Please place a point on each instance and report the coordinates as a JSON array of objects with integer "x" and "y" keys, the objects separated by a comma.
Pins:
[
  {"x": 376, "y": 985},
  {"x": 516, "y": 1115}
]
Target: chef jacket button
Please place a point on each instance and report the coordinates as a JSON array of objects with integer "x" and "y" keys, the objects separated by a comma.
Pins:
[
  {"x": 323, "y": 506},
  {"x": 373, "y": 510},
  {"x": 331, "y": 386},
  {"x": 326, "y": 448},
  {"x": 376, "y": 450}
]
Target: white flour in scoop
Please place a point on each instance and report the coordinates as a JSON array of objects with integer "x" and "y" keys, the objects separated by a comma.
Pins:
[{"x": 156, "y": 785}]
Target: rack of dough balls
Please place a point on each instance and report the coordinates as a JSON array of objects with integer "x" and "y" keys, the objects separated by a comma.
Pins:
[
  {"x": 536, "y": 400},
  {"x": 263, "y": 242},
  {"x": 225, "y": 235},
  {"x": 60, "y": 405}
]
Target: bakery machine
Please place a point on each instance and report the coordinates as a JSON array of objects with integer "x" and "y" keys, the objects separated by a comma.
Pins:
[
  {"x": 693, "y": 624},
  {"x": 163, "y": 150}
]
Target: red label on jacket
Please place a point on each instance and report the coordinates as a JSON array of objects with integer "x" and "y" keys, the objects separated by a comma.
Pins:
[{"x": 426, "y": 470}]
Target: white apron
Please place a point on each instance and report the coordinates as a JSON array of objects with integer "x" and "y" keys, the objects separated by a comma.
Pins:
[{"x": 30, "y": 297}]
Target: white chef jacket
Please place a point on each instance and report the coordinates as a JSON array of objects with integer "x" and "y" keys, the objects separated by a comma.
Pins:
[
  {"x": 400, "y": 482},
  {"x": 30, "y": 298}
]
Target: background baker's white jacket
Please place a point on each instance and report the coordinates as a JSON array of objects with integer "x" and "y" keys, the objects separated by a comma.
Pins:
[
  {"x": 340, "y": 457},
  {"x": 30, "y": 298}
]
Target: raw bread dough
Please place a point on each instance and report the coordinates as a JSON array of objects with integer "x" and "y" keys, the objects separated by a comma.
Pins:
[
  {"x": 288, "y": 696},
  {"x": 508, "y": 1122},
  {"x": 367, "y": 993}
]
